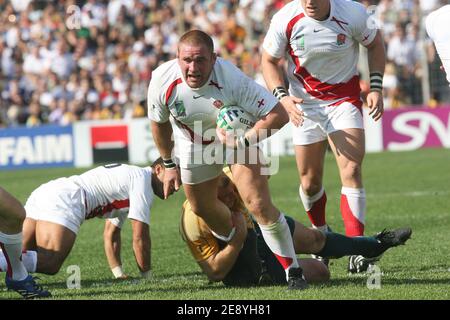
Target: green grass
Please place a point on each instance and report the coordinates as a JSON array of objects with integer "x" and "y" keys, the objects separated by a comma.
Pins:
[{"x": 403, "y": 189}]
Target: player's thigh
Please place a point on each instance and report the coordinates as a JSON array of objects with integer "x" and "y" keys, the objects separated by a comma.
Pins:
[
  {"x": 12, "y": 213},
  {"x": 307, "y": 240},
  {"x": 203, "y": 194},
  {"x": 54, "y": 240},
  {"x": 29, "y": 234},
  {"x": 254, "y": 190},
  {"x": 310, "y": 160},
  {"x": 348, "y": 146},
  {"x": 314, "y": 270}
]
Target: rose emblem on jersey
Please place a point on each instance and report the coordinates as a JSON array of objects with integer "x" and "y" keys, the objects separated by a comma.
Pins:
[
  {"x": 340, "y": 39},
  {"x": 218, "y": 104}
]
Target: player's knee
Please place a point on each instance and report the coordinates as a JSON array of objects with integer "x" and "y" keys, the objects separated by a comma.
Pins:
[
  {"x": 311, "y": 188},
  {"x": 317, "y": 240},
  {"x": 351, "y": 172},
  {"x": 258, "y": 207},
  {"x": 49, "y": 263}
]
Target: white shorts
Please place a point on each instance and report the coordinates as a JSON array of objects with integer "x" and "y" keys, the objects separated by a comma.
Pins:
[
  {"x": 321, "y": 120},
  {"x": 60, "y": 201},
  {"x": 196, "y": 172}
]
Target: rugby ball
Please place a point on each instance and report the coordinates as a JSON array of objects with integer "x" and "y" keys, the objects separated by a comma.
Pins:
[{"x": 235, "y": 118}]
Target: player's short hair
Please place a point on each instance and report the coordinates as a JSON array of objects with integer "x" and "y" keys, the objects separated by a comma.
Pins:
[
  {"x": 158, "y": 161},
  {"x": 197, "y": 37}
]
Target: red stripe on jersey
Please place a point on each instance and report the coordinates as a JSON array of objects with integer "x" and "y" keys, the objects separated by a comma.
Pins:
[
  {"x": 170, "y": 89},
  {"x": 192, "y": 135},
  {"x": 107, "y": 208},
  {"x": 312, "y": 85}
]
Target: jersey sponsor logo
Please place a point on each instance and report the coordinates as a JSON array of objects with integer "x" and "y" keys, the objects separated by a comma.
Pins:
[
  {"x": 340, "y": 39},
  {"x": 46, "y": 146}
]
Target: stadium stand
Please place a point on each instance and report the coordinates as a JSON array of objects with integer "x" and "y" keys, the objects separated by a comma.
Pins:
[{"x": 63, "y": 61}]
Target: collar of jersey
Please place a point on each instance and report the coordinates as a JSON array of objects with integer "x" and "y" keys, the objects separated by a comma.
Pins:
[{"x": 321, "y": 21}]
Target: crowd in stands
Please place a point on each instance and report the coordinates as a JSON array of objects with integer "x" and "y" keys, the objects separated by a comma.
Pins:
[{"x": 64, "y": 61}]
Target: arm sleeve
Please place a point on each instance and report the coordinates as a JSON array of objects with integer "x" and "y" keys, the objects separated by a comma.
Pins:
[
  {"x": 249, "y": 95},
  {"x": 141, "y": 198},
  {"x": 157, "y": 110},
  {"x": 363, "y": 30},
  {"x": 275, "y": 41}
]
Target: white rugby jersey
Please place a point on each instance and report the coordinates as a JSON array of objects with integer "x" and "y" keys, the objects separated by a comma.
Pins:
[
  {"x": 169, "y": 97},
  {"x": 115, "y": 190},
  {"x": 437, "y": 25},
  {"x": 322, "y": 55}
]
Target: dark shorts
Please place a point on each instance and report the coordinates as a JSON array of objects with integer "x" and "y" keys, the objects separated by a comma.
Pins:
[
  {"x": 256, "y": 264},
  {"x": 273, "y": 271}
]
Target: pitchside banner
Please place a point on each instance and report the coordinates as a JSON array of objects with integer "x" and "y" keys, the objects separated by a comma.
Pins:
[
  {"x": 38, "y": 147},
  {"x": 412, "y": 129}
]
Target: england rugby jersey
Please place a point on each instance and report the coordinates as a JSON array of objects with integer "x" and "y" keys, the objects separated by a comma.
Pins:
[
  {"x": 115, "y": 190},
  {"x": 437, "y": 24},
  {"x": 193, "y": 112},
  {"x": 322, "y": 55}
]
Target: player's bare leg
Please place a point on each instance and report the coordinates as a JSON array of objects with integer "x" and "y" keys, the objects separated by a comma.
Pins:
[
  {"x": 310, "y": 163},
  {"x": 204, "y": 202},
  {"x": 29, "y": 234},
  {"x": 54, "y": 243},
  {"x": 349, "y": 148},
  {"x": 12, "y": 215},
  {"x": 314, "y": 270},
  {"x": 254, "y": 191}
]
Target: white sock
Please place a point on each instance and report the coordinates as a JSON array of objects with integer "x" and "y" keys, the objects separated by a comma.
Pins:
[
  {"x": 29, "y": 260},
  {"x": 315, "y": 207},
  {"x": 278, "y": 238},
  {"x": 11, "y": 245},
  {"x": 353, "y": 209}
]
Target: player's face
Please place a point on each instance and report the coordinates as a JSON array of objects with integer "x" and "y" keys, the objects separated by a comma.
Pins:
[
  {"x": 158, "y": 182},
  {"x": 196, "y": 63},
  {"x": 316, "y": 9},
  {"x": 227, "y": 192}
]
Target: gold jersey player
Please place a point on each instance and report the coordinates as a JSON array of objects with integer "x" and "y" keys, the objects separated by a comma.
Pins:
[{"x": 247, "y": 260}]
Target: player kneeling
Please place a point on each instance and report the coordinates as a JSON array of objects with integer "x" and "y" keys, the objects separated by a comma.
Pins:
[
  {"x": 247, "y": 260},
  {"x": 56, "y": 210}
]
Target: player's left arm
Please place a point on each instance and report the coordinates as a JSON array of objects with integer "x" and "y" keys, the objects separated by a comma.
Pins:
[
  {"x": 142, "y": 246},
  {"x": 112, "y": 243},
  {"x": 377, "y": 61}
]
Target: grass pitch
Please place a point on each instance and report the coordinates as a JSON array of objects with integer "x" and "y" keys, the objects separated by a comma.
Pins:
[{"x": 403, "y": 189}]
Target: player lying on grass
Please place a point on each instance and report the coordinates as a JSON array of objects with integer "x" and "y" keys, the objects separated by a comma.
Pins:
[
  {"x": 246, "y": 259},
  {"x": 56, "y": 210},
  {"x": 12, "y": 215}
]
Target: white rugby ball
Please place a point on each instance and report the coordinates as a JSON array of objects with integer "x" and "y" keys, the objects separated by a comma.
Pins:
[{"x": 235, "y": 118}]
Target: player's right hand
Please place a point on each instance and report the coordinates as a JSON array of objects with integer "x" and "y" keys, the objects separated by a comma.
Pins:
[
  {"x": 239, "y": 223},
  {"x": 289, "y": 104},
  {"x": 172, "y": 181}
]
